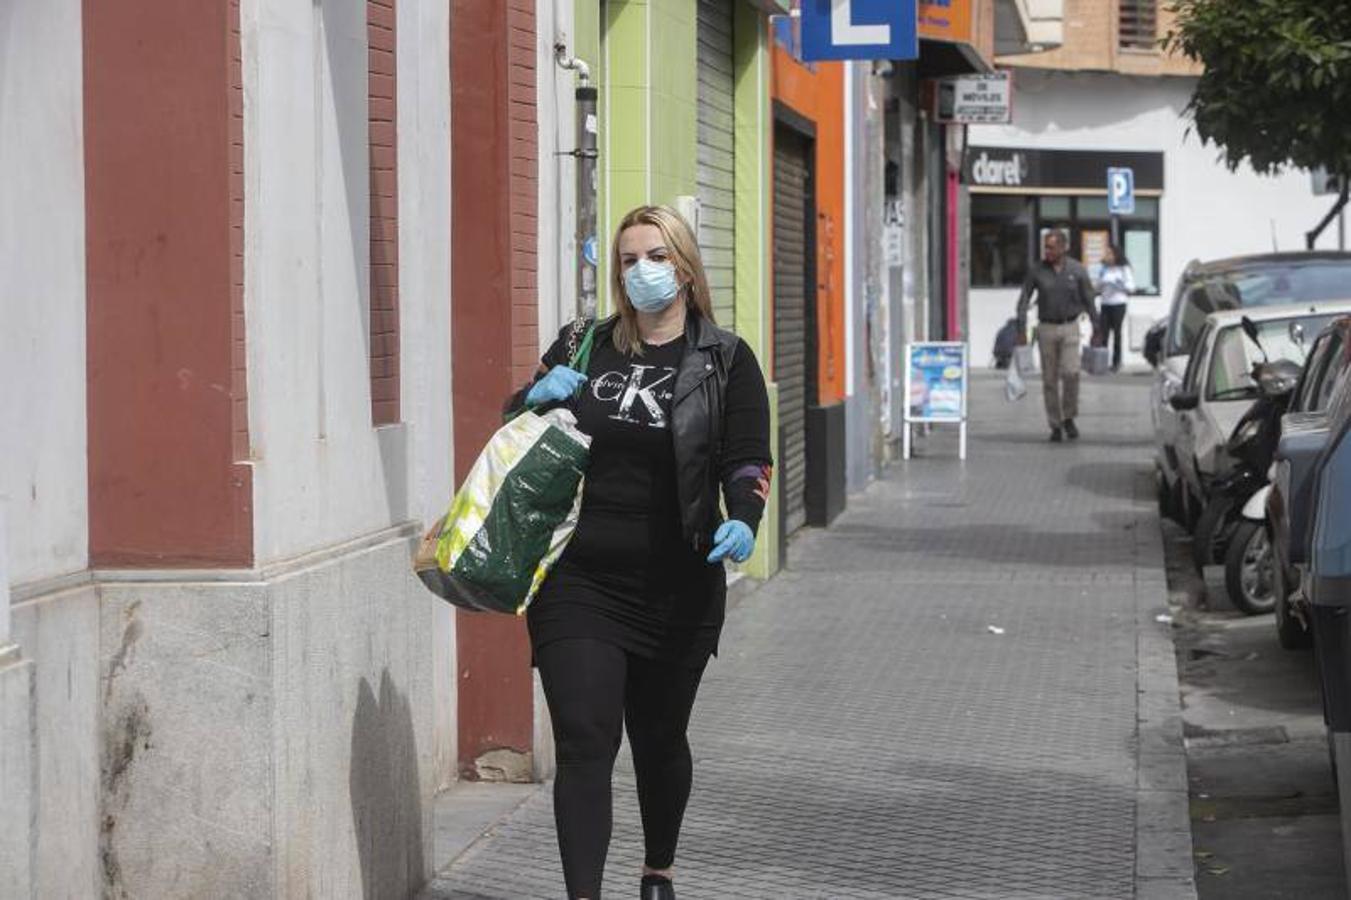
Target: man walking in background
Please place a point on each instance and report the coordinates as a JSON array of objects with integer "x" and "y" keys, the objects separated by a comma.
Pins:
[{"x": 1064, "y": 293}]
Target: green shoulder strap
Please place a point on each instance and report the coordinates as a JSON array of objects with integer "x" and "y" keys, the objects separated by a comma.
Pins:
[{"x": 582, "y": 358}]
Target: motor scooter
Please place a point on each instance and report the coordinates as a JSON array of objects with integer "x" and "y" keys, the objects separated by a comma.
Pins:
[{"x": 1232, "y": 527}]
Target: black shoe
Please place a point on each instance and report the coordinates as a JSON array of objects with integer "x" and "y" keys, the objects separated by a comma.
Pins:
[
  {"x": 654, "y": 887},
  {"x": 1071, "y": 430},
  {"x": 1057, "y": 436}
]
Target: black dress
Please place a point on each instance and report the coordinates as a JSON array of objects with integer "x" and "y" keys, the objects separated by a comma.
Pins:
[{"x": 627, "y": 576}]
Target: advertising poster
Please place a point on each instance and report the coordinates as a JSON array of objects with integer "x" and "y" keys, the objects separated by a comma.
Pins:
[{"x": 937, "y": 382}]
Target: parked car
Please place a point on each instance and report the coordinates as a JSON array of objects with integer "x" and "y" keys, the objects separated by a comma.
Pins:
[
  {"x": 1304, "y": 434},
  {"x": 1329, "y": 585},
  {"x": 1239, "y": 282},
  {"x": 1218, "y": 387}
]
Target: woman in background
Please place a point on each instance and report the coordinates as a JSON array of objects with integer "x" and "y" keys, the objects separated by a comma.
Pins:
[{"x": 1115, "y": 284}]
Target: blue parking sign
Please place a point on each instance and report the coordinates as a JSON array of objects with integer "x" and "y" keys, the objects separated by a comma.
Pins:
[
  {"x": 1120, "y": 192},
  {"x": 859, "y": 29}
]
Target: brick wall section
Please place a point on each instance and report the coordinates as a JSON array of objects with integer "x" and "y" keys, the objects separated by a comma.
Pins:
[
  {"x": 523, "y": 137},
  {"x": 239, "y": 381},
  {"x": 1091, "y": 44},
  {"x": 384, "y": 177}
]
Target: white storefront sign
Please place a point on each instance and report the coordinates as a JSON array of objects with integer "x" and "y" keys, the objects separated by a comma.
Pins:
[{"x": 976, "y": 99}]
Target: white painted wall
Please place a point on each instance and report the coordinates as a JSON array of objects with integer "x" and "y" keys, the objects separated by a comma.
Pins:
[
  {"x": 557, "y": 246},
  {"x": 4, "y": 578},
  {"x": 424, "y": 302},
  {"x": 556, "y": 114},
  {"x": 43, "y": 457},
  {"x": 323, "y": 473},
  {"x": 1206, "y": 211}
]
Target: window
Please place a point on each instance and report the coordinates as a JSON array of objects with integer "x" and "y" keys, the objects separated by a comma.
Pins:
[
  {"x": 1235, "y": 353},
  {"x": 1000, "y": 227},
  {"x": 1007, "y": 233},
  {"x": 1137, "y": 24},
  {"x": 1192, "y": 374},
  {"x": 1257, "y": 283},
  {"x": 1190, "y": 317},
  {"x": 1309, "y": 383}
]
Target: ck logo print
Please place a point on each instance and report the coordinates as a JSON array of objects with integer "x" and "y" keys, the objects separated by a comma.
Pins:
[{"x": 637, "y": 396}]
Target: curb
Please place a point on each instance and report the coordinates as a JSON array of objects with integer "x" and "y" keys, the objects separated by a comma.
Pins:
[{"x": 1164, "y": 868}]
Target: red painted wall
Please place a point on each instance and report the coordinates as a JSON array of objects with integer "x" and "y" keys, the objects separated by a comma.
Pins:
[
  {"x": 819, "y": 96},
  {"x": 164, "y": 205},
  {"x": 493, "y": 319}
]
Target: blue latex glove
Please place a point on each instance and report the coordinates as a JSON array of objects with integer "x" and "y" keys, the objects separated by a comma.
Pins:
[
  {"x": 560, "y": 384},
  {"x": 732, "y": 540}
]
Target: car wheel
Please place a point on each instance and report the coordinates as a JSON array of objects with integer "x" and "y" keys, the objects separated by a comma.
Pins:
[
  {"x": 1249, "y": 569},
  {"x": 1290, "y": 631},
  {"x": 1208, "y": 540}
]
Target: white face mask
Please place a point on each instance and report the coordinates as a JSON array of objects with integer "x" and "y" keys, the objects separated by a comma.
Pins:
[{"x": 651, "y": 286}]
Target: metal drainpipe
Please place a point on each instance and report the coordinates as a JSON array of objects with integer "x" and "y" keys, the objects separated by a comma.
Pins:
[{"x": 588, "y": 248}]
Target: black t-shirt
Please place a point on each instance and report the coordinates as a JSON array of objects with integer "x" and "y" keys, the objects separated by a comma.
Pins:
[
  {"x": 627, "y": 575},
  {"x": 630, "y": 520}
]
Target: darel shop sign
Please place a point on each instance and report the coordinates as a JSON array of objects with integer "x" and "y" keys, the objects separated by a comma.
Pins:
[
  {"x": 859, "y": 29},
  {"x": 1026, "y": 170}
]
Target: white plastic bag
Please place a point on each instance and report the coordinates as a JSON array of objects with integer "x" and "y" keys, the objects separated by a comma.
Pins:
[{"x": 1015, "y": 383}]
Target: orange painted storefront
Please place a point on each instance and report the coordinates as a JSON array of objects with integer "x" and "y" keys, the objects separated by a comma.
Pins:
[{"x": 817, "y": 94}]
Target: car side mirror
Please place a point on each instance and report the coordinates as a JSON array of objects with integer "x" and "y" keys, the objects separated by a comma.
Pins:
[{"x": 1182, "y": 401}]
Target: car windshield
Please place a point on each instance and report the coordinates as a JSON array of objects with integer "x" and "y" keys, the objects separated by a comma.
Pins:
[
  {"x": 1264, "y": 284},
  {"x": 1235, "y": 353}
]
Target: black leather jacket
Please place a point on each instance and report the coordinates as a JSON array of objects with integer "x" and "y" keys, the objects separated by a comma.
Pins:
[{"x": 698, "y": 422}]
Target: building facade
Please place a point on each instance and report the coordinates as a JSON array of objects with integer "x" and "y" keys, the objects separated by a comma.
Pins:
[
  {"x": 271, "y": 272},
  {"x": 226, "y": 227},
  {"x": 1110, "y": 97}
]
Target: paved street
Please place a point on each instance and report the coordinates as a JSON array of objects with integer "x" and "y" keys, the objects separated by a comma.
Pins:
[{"x": 959, "y": 690}]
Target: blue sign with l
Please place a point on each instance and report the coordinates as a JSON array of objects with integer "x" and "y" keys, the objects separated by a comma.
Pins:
[
  {"x": 1120, "y": 192},
  {"x": 860, "y": 29}
]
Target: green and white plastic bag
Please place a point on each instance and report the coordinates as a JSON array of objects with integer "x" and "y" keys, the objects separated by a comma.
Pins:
[{"x": 512, "y": 517}]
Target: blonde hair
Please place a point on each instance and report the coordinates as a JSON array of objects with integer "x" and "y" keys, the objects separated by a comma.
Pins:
[{"x": 684, "y": 250}]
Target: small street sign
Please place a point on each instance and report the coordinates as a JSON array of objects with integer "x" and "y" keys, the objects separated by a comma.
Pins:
[
  {"x": 1120, "y": 191},
  {"x": 859, "y": 29},
  {"x": 975, "y": 99}
]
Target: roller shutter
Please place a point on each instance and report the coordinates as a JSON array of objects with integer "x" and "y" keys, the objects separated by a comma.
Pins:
[
  {"x": 791, "y": 304},
  {"x": 715, "y": 170}
]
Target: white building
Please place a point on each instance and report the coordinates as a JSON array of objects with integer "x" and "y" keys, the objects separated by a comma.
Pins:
[{"x": 1108, "y": 98}]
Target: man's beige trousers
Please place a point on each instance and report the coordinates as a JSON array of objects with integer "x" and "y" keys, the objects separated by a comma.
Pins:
[{"x": 1060, "y": 351}]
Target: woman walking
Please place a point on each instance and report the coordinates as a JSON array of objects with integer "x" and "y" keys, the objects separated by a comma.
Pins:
[
  {"x": 1116, "y": 284},
  {"x": 624, "y": 625}
]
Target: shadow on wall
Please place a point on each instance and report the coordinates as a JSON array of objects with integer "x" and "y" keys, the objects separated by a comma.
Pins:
[{"x": 386, "y": 794}]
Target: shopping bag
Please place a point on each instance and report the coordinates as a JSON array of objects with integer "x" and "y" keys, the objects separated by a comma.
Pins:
[
  {"x": 1096, "y": 360},
  {"x": 1015, "y": 383},
  {"x": 512, "y": 517}
]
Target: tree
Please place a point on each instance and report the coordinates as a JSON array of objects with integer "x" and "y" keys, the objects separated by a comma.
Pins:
[{"x": 1276, "y": 85}]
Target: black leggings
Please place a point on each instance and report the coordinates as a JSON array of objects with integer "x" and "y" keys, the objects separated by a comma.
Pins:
[
  {"x": 1113, "y": 317},
  {"x": 594, "y": 689}
]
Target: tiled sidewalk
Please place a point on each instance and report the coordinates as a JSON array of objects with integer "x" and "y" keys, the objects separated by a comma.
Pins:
[{"x": 959, "y": 690}]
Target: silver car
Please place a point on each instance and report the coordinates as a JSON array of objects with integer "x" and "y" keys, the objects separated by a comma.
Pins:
[
  {"x": 1217, "y": 386},
  {"x": 1244, "y": 282}
]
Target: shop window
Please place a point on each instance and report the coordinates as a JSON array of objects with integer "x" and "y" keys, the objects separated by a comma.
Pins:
[
  {"x": 1053, "y": 208},
  {"x": 1137, "y": 24},
  {"x": 1000, "y": 227}
]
